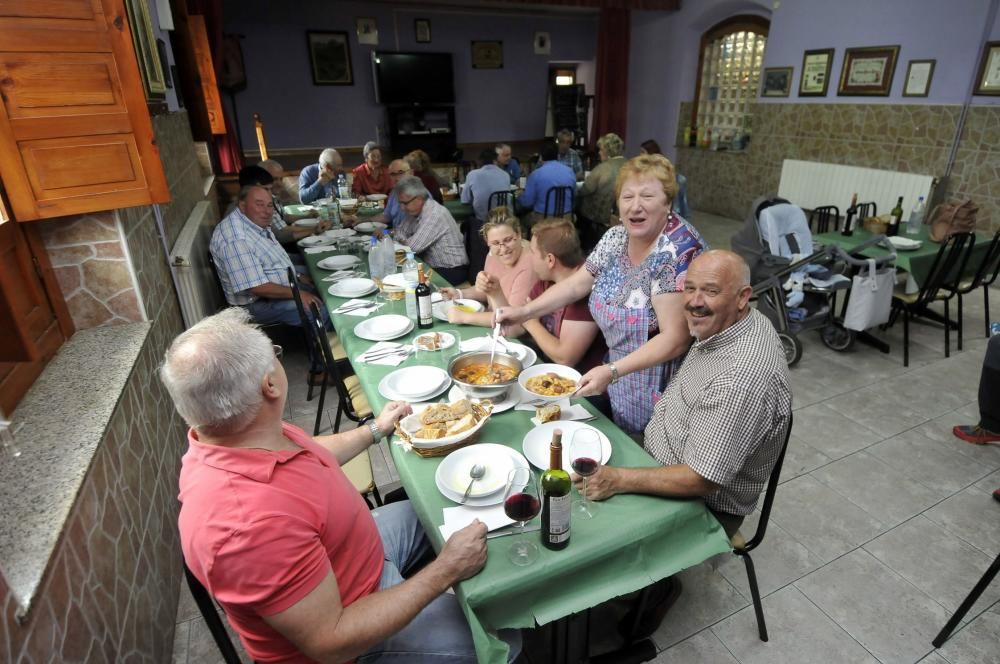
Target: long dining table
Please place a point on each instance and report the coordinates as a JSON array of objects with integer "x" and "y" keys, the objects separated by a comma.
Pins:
[{"x": 632, "y": 541}]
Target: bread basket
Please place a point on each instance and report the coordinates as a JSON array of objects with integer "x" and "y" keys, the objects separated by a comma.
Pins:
[{"x": 442, "y": 446}]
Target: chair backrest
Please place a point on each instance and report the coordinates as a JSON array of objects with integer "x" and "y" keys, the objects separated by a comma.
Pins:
[
  {"x": 500, "y": 198},
  {"x": 334, "y": 375},
  {"x": 987, "y": 271},
  {"x": 206, "y": 605},
  {"x": 558, "y": 197},
  {"x": 293, "y": 283},
  {"x": 947, "y": 268},
  {"x": 772, "y": 487},
  {"x": 824, "y": 216},
  {"x": 866, "y": 210}
]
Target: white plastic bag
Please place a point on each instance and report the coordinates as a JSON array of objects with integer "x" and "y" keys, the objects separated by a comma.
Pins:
[{"x": 871, "y": 297}]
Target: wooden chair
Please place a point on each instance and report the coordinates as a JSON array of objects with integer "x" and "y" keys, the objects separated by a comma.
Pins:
[
  {"x": 209, "y": 613},
  {"x": 742, "y": 547},
  {"x": 985, "y": 275},
  {"x": 940, "y": 285},
  {"x": 825, "y": 216}
]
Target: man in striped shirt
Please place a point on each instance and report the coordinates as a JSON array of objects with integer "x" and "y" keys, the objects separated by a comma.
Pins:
[{"x": 430, "y": 230}]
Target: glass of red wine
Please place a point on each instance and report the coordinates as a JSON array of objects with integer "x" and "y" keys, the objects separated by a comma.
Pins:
[
  {"x": 521, "y": 503},
  {"x": 585, "y": 452}
]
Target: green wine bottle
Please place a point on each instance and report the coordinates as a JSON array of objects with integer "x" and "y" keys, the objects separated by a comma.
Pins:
[
  {"x": 556, "y": 496},
  {"x": 894, "y": 218}
]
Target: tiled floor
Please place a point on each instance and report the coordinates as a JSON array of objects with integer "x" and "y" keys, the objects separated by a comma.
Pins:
[{"x": 881, "y": 525}]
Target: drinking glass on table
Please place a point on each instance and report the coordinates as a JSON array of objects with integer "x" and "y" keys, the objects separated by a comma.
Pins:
[
  {"x": 585, "y": 453},
  {"x": 521, "y": 503}
]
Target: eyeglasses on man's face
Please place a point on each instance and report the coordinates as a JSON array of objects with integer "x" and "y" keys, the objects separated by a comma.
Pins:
[
  {"x": 398, "y": 173},
  {"x": 407, "y": 202}
]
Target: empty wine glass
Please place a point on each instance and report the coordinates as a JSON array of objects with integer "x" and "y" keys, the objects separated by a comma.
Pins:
[
  {"x": 585, "y": 453},
  {"x": 521, "y": 503}
]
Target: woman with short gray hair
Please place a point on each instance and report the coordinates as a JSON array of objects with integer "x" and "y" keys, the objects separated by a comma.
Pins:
[
  {"x": 371, "y": 177},
  {"x": 596, "y": 198}
]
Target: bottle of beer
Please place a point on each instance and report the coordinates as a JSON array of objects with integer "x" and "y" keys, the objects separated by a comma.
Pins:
[
  {"x": 894, "y": 218},
  {"x": 849, "y": 219}
]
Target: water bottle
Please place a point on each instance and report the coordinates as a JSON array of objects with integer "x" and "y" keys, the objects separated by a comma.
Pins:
[
  {"x": 916, "y": 218},
  {"x": 342, "y": 191},
  {"x": 411, "y": 277},
  {"x": 376, "y": 268},
  {"x": 388, "y": 253}
]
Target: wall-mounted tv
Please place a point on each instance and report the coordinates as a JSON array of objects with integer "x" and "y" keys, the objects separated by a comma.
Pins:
[{"x": 413, "y": 78}]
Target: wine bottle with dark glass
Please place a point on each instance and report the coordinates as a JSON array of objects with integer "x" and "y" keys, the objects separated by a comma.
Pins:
[
  {"x": 425, "y": 313},
  {"x": 556, "y": 498},
  {"x": 849, "y": 219},
  {"x": 894, "y": 218}
]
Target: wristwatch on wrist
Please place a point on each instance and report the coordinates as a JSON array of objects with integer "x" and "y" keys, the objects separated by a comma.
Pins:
[
  {"x": 614, "y": 372},
  {"x": 377, "y": 434}
]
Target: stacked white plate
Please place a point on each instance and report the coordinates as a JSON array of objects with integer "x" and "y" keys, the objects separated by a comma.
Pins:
[
  {"x": 414, "y": 383},
  {"x": 337, "y": 233},
  {"x": 396, "y": 279},
  {"x": 306, "y": 223},
  {"x": 384, "y": 328},
  {"x": 376, "y": 197},
  {"x": 316, "y": 241},
  {"x": 441, "y": 308},
  {"x": 511, "y": 399},
  {"x": 453, "y": 472},
  {"x": 348, "y": 202},
  {"x": 370, "y": 226},
  {"x": 352, "y": 287},
  {"x": 905, "y": 243},
  {"x": 527, "y": 355},
  {"x": 536, "y": 443},
  {"x": 338, "y": 262}
]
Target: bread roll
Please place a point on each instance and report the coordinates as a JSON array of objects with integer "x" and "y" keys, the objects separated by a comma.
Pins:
[
  {"x": 463, "y": 424},
  {"x": 436, "y": 413},
  {"x": 548, "y": 413}
]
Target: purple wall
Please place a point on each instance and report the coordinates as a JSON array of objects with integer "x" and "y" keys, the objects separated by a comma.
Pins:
[{"x": 502, "y": 104}]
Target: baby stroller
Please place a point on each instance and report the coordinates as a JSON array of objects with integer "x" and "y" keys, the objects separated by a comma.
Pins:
[{"x": 795, "y": 284}]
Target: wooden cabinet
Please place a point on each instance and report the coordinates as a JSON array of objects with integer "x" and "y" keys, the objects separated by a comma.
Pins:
[{"x": 75, "y": 134}]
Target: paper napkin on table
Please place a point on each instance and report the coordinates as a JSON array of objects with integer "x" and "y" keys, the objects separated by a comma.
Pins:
[
  {"x": 527, "y": 402},
  {"x": 357, "y": 312},
  {"x": 390, "y": 361},
  {"x": 458, "y": 517},
  {"x": 320, "y": 250},
  {"x": 567, "y": 413},
  {"x": 343, "y": 274}
]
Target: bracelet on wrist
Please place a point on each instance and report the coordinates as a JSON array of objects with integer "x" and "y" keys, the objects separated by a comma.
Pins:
[{"x": 614, "y": 372}]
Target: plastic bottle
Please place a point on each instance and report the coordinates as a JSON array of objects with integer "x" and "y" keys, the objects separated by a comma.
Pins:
[
  {"x": 388, "y": 253},
  {"x": 412, "y": 278},
  {"x": 342, "y": 190},
  {"x": 916, "y": 218},
  {"x": 376, "y": 268}
]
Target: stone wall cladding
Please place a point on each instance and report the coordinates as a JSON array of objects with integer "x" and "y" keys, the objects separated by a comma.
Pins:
[{"x": 900, "y": 137}]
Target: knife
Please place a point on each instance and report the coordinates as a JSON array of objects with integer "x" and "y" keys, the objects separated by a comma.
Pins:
[{"x": 511, "y": 530}]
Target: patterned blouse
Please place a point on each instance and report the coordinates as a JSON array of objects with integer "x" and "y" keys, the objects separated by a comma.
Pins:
[{"x": 622, "y": 306}]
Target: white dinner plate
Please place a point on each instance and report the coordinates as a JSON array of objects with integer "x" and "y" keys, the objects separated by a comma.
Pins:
[
  {"x": 495, "y": 498},
  {"x": 348, "y": 202},
  {"x": 316, "y": 241},
  {"x": 370, "y": 226},
  {"x": 453, "y": 472},
  {"x": 338, "y": 262},
  {"x": 441, "y": 308},
  {"x": 306, "y": 223},
  {"x": 536, "y": 443},
  {"x": 376, "y": 197},
  {"x": 558, "y": 369},
  {"x": 904, "y": 243},
  {"x": 395, "y": 279},
  {"x": 526, "y": 354},
  {"x": 383, "y": 328},
  {"x": 445, "y": 340},
  {"x": 337, "y": 233},
  {"x": 401, "y": 247},
  {"x": 352, "y": 287},
  {"x": 511, "y": 399},
  {"x": 415, "y": 383},
  {"x": 384, "y": 390}
]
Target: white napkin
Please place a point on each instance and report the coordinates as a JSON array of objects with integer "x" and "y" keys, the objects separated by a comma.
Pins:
[
  {"x": 342, "y": 274},
  {"x": 458, "y": 517},
  {"x": 566, "y": 414},
  {"x": 357, "y": 312},
  {"x": 320, "y": 250},
  {"x": 526, "y": 402},
  {"x": 391, "y": 361}
]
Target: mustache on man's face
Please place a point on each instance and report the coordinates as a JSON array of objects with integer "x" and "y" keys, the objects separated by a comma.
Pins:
[{"x": 699, "y": 311}]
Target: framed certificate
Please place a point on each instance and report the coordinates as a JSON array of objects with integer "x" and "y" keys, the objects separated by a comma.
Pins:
[
  {"x": 487, "y": 55},
  {"x": 868, "y": 71},
  {"x": 988, "y": 81},
  {"x": 918, "y": 78},
  {"x": 777, "y": 82},
  {"x": 815, "y": 72}
]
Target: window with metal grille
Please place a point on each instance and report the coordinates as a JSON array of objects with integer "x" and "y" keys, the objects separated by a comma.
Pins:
[{"x": 732, "y": 53}]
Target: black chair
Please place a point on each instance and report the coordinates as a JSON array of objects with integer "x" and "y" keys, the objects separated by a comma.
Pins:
[
  {"x": 967, "y": 603},
  {"x": 206, "y": 605},
  {"x": 742, "y": 548},
  {"x": 503, "y": 198},
  {"x": 825, "y": 216},
  {"x": 940, "y": 285},
  {"x": 985, "y": 275},
  {"x": 555, "y": 201},
  {"x": 865, "y": 210}
]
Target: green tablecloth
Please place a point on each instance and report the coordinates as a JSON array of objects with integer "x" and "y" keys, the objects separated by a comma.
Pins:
[
  {"x": 918, "y": 262},
  {"x": 462, "y": 212},
  {"x": 633, "y": 541}
]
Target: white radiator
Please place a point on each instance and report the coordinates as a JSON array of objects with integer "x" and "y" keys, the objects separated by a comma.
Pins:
[
  {"x": 197, "y": 287},
  {"x": 811, "y": 184}
]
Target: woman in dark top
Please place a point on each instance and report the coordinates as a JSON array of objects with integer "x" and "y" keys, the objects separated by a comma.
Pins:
[
  {"x": 420, "y": 164},
  {"x": 650, "y": 147}
]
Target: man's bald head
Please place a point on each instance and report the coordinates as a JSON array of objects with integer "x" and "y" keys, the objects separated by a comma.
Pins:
[
  {"x": 398, "y": 168},
  {"x": 716, "y": 292}
]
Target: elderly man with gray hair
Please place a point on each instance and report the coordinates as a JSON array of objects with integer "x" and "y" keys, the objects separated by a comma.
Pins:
[
  {"x": 567, "y": 155},
  {"x": 272, "y": 527},
  {"x": 430, "y": 230},
  {"x": 320, "y": 180}
]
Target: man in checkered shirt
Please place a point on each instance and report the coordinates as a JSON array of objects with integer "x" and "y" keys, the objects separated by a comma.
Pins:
[{"x": 719, "y": 427}]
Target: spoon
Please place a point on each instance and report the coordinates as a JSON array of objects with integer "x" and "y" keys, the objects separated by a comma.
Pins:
[
  {"x": 476, "y": 473},
  {"x": 493, "y": 347}
]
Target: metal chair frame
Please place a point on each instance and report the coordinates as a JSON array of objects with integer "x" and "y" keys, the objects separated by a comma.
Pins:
[
  {"x": 984, "y": 581},
  {"x": 558, "y": 195},
  {"x": 206, "y": 605},
  {"x": 984, "y": 279},
  {"x": 502, "y": 198},
  {"x": 824, "y": 215}
]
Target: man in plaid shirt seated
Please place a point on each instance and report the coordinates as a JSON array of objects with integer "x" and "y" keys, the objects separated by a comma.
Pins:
[{"x": 719, "y": 427}]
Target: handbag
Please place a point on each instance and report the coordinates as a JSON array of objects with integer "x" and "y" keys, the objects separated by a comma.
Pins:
[
  {"x": 950, "y": 218},
  {"x": 871, "y": 297}
]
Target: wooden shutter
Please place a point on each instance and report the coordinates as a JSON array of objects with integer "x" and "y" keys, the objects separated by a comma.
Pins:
[{"x": 75, "y": 134}]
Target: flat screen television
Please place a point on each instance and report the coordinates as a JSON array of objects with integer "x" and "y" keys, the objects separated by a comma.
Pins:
[{"x": 413, "y": 78}]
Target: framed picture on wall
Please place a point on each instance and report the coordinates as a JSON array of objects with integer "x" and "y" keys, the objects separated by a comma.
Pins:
[
  {"x": 815, "y": 77},
  {"x": 543, "y": 43},
  {"x": 868, "y": 71},
  {"x": 777, "y": 82},
  {"x": 422, "y": 30},
  {"x": 487, "y": 55},
  {"x": 988, "y": 81},
  {"x": 367, "y": 31},
  {"x": 145, "y": 48},
  {"x": 330, "y": 56},
  {"x": 918, "y": 78}
]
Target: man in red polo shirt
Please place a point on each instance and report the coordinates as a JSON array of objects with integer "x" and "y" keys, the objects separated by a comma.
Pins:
[{"x": 275, "y": 531}]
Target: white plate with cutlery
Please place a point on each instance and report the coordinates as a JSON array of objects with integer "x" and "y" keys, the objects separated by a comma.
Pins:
[
  {"x": 536, "y": 443},
  {"x": 488, "y": 453},
  {"x": 383, "y": 328},
  {"x": 338, "y": 262},
  {"x": 370, "y": 227},
  {"x": 441, "y": 308},
  {"x": 316, "y": 241},
  {"x": 352, "y": 287},
  {"x": 414, "y": 383},
  {"x": 388, "y": 393},
  {"x": 338, "y": 233}
]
